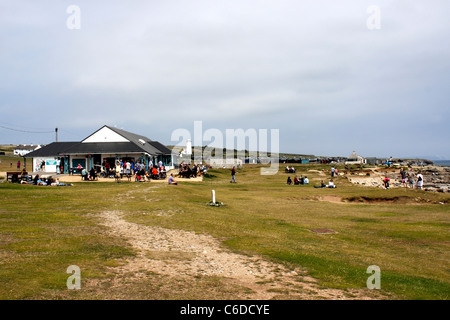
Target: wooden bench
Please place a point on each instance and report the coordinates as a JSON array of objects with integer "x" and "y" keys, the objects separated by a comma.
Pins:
[{"x": 15, "y": 176}]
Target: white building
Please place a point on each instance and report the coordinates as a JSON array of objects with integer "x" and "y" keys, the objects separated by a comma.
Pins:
[
  {"x": 104, "y": 146},
  {"x": 225, "y": 163},
  {"x": 355, "y": 159},
  {"x": 24, "y": 149}
]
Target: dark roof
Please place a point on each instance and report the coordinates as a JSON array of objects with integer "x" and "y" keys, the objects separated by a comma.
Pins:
[
  {"x": 162, "y": 148},
  {"x": 103, "y": 147},
  {"x": 128, "y": 135}
]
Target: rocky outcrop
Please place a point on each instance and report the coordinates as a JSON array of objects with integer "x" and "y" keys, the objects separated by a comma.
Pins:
[{"x": 435, "y": 178}]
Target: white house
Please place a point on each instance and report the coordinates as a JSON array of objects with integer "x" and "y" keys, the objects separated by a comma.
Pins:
[
  {"x": 24, "y": 149},
  {"x": 355, "y": 159},
  {"x": 227, "y": 162}
]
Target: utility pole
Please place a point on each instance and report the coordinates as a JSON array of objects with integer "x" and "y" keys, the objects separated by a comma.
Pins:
[{"x": 56, "y": 131}]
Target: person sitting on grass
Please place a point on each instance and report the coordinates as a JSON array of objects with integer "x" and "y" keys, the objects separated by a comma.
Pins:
[
  {"x": 331, "y": 184},
  {"x": 306, "y": 180},
  {"x": 322, "y": 185},
  {"x": 171, "y": 181},
  {"x": 296, "y": 181},
  {"x": 55, "y": 182},
  {"x": 41, "y": 182},
  {"x": 289, "y": 181}
]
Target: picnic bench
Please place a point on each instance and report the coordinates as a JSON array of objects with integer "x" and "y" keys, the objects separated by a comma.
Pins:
[{"x": 16, "y": 176}]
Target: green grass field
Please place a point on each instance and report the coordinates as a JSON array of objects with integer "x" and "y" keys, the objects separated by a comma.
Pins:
[
  {"x": 43, "y": 230},
  {"x": 9, "y": 163}
]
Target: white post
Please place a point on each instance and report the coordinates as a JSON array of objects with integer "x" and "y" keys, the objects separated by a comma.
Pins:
[{"x": 213, "y": 196}]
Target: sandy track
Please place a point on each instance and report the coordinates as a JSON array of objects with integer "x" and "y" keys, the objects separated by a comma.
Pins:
[{"x": 202, "y": 255}]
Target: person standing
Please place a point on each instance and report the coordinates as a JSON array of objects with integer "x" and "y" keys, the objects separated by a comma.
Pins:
[
  {"x": 420, "y": 181},
  {"x": 403, "y": 175},
  {"x": 411, "y": 180},
  {"x": 58, "y": 166},
  {"x": 128, "y": 169},
  {"x": 18, "y": 165},
  {"x": 117, "y": 174},
  {"x": 233, "y": 175}
]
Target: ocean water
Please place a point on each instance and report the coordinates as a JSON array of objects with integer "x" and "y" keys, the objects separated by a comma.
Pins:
[{"x": 442, "y": 163}]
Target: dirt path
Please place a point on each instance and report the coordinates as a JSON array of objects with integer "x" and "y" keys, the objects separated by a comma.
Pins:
[{"x": 202, "y": 255}]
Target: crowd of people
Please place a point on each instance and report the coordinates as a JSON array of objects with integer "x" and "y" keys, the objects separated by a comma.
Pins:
[
  {"x": 186, "y": 171},
  {"x": 297, "y": 180},
  {"x": 125, "y": 168},
  {"x": 42, "y": 181},
  {"x": 411, "y": 179},
  {"x": 139, "y": 171}
]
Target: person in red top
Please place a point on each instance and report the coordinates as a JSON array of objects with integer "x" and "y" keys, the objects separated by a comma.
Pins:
[{"x": 386, "y": 182}]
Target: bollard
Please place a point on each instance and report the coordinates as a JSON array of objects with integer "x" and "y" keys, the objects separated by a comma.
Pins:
[{"x": 213, "y": 196}]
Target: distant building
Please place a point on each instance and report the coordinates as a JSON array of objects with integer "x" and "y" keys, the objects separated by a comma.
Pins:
[
  {"x": 24, "y": 149},
  {"x": 374, "y": 161},
  {"x": 355, "y": 159},
  {"x": 227, "y": 162}
]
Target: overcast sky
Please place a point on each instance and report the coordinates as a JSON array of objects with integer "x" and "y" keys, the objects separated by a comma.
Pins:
[{"x": 314, "y": 70}]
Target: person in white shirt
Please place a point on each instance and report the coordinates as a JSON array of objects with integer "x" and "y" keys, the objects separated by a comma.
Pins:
[{"x": 420, "y": 181}]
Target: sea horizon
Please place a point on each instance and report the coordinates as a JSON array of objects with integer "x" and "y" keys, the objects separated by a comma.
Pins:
[{"x": 442, "y": 163}]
